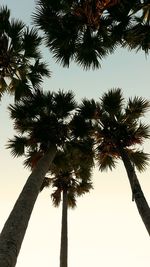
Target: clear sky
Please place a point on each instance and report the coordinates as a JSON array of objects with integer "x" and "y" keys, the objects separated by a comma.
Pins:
[{"x": 105, "y": 229}]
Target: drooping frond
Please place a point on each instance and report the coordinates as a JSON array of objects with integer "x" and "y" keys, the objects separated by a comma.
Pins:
[
  {"x": 105, "y": 161},
  {"x": 56, "y": 197},
  {"x": 17, "y": 145},
  {"x": 139, "y": 159},
  {"x": 84, "y": 187},
  {"x": 71, "y": 199}
]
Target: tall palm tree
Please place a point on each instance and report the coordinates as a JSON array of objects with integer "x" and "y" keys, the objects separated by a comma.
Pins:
[
  {"x": 118, "y": 132},
  {"x": 85, "y": 31},
  {"x": 70, "y": 175},
  {"x": 42, "y": 122},
  {"x": 21, "y": 68}
]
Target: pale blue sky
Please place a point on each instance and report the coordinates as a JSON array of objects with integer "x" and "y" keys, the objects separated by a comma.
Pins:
[{"x": 105, "y": 229}]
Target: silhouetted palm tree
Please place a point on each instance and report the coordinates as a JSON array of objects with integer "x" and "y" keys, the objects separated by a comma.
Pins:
[
  {"x": 42, "y": 122},
  {"x": 21, "y": 68},
  {"x": 86, "y": 31},
  {"x": 117, "y": 130},
  {"x": 70, "y": 175},
  {"x": 76, "y": 30}
]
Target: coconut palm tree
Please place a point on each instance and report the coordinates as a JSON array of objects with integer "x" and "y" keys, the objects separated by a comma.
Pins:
[
  {"x": 86, "y": 31},
  {"x": 118, "y": 130},
  {"x": 42, "y": 122},
  {"x": 21, "y": 68},
  {"x": 70, "y": 175}
]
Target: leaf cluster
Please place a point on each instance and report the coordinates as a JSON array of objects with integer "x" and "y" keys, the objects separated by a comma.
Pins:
[
  {"x": 41, "y": 120},
  {"x": 21, "y": 68},
  {"x": 87, "y": 31}
]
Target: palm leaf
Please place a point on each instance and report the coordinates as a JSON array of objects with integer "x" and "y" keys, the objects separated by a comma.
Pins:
[
  {"x": 71, "y": 199},
  {"x": 56, "y": 197},
  {"x": 17, "y": 145},
  {"x": 105, "y": 162},
  {"x": 137, "y": 107},
  {"x": 64, "y": 103},
  {"x": 112, "y": 101},
  {"x": 31, "y": 42},
  {"x": 88, "y": 108},
  {"x": 139, "y": 159}
]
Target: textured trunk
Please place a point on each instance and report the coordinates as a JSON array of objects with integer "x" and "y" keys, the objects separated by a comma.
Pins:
[
  {"x": 15, "y": 227},
  {"x": 64, "y": 232},
  {"x": 137, "y": 192}
]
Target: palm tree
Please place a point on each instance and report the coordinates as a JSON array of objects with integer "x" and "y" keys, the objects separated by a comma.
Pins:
[
  {"x": 77, "y": 30},
  {"x": 21, "y": 68},
  {"x": 86, "y": 31},
  {"x": 42, "y": 122},
  {"x": 70, "y": 175},
  {"x": 118, "y": 130}
]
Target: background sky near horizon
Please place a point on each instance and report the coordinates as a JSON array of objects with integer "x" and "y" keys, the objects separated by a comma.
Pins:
[{"x": 105, "y": 229}]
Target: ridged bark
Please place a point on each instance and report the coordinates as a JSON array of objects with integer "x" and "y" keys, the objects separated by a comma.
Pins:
[
  {"x": 15, "y": 227},
  {"x": 64, "y": 232},
  {"x": 137, "y": 192}
]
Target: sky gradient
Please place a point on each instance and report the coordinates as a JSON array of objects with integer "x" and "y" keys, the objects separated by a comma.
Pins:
[{"x": 105, "y": 229}]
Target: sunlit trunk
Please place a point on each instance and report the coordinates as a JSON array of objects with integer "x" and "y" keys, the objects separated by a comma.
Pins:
[
  {"x": 137, "y": 192},
  {"x": 64, "y": 232},
  {"x": 15, "y": 227}
]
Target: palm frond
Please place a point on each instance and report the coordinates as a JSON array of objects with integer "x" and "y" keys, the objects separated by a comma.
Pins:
[
  {"x": 112, "y": 101},
  {"x": 84, "y": 187},
  {"x": 19, "y": 56},
  {"x": 79, "y": 126},
  {"x": 17, "y": 145},
  {"x": 31, "y": 42},
  {"x": 71, "y": 199},
  {"x": 105, "y": 162},
  {"x": 137, "y": 107},
  {"x": 88, "y": 108},
  {"x": 37, "y": 72},
  {"x": 56, "y": 197},
  {"x": 139, "y": 159},
  {"x": 64, "y": 103},
  {"x": 142, "y": 132},
  {"x": 15, "y": 33},
  {"x": 137, "y": 37},
  {"x": 19, "y": 88}
]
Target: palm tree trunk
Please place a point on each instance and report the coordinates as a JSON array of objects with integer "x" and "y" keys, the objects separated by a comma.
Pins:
[
  {"x": 64, "y": 232},
  {"x": 137, "y": 192},
  {"x": 15, "y": 227}
]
